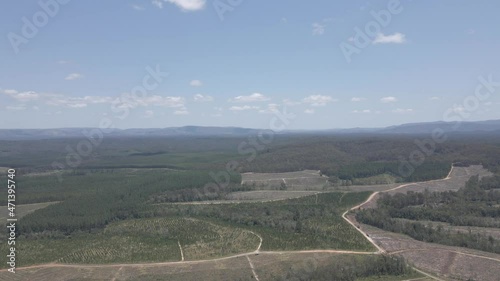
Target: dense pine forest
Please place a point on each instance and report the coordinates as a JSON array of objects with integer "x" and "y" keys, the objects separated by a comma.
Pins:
[
  {"x": 91, "y": 196},
  {"x": 109, "y": 197}
]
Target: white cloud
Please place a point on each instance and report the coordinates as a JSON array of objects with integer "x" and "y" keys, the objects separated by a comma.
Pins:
[
  {"x": 97, "y": 99},
  {"x": 255, "y": 97},
  {"x": 73, "y": 76},
  {"x": 458, "y": 108},
  {"x": 10, "y": 92},
  {"x": 470, "y": 31},
  {"x": 74, "y": 102},
  {"x": 318, "y": 28},
  {"x": 157, "y": 3},
  {"x": 356, "y": 99},
  {"x": 243, "y": 108},
  {"x": 149, "y": 114},
  {"x": 289, "y": 102},
  {"x": 189, "y": 5},
  {"x": 26, "y": 96},
  {"x": 318, "y": 100},
  {"x": 403, "y": 110},
  {"x": 181, "y": 112},
  {"x": 137, "y": 7},
  {"x": 271, "y": 108},
  {"x": 364, "y": 111},
  {"x": 196, "y": 83},
  {"x": 202, "y": 98},
  {"x": 23, "y": 96},
  {"x": 126, "y": 100},
  {"x": 185, "y": 5},
  {"x": 15, "y": 108},
  {"x": 130, "y": 101},
  {"x": 434, "y": 98},
  {"x": 77, "y": 105},
  {"x": 388, "y": 99},
  {"x": 396, "y": 38},
  {"x": 309, "y": 111}
]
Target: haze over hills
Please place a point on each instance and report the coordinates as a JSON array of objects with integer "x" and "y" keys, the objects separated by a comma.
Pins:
[
  {"x": 428, "y": 127},
  {"x": 491, "y": 126}
]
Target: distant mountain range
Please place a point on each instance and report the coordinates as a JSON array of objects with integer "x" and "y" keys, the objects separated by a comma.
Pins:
[
  {"x": 429, "y": 127},
  {"x": 491, "y": 126},
  {"x": 20, "y": 134}
]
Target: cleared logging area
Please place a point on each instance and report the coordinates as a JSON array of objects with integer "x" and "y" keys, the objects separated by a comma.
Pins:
[
  {"x": 450, "y": 263},
  {"x": 264, "y": 195},
  {"x": 458, "y": 177},
  {"x": 303, "y": 180},
  {"x": 485, "y": 231},
  {"x": 456, "y": 263},
  {"x": 287, "y": 266}
]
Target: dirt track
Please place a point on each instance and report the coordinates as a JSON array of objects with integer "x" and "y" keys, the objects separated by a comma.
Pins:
[{"x": 445, "y": 261}]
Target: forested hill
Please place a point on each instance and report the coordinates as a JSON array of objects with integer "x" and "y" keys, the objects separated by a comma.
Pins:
[
  {"x": 491, "y": 127},
  {"x": 34, "y": 134}
]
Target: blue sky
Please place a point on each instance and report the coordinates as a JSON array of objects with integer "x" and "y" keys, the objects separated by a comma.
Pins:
[{"x": 239, "y": 62}]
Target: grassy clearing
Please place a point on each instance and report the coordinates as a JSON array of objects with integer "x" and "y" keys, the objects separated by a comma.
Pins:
[{"x": 378, "y": 179}]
